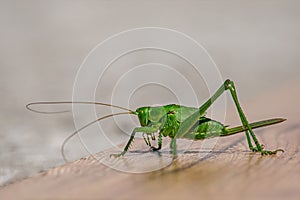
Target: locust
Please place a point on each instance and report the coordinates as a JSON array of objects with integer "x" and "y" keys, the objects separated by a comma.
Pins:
[{"x": 181, "y": 122}]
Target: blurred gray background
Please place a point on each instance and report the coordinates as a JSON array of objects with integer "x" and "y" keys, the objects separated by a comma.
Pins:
[{"x": 43, "y": 43}]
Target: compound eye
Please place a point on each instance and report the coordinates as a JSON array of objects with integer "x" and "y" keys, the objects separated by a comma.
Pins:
[{"x": 172, "y": 112}]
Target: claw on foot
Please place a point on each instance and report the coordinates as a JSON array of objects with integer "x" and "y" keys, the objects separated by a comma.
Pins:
[
  {"x": 271, "y": 152},
  {"x": 154, "y": 148},
  {"x": 265, "y": 152}
]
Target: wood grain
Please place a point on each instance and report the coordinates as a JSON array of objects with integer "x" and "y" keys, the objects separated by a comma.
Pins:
[{"x": 229, "y": 171}]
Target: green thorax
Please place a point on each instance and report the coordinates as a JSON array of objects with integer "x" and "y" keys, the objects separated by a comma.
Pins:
[{"x": 156, "y": 114}]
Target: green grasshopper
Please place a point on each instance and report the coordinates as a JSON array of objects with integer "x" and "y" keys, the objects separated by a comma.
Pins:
[{"x": 181, "y": 122}]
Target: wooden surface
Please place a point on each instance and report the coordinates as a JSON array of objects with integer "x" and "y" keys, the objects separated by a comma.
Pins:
[{"x": 230, "y": 171}]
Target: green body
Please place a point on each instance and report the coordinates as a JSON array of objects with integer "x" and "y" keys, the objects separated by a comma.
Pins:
[
  {"x": 168, "y": 119},
  {"x": 176, "y": 121}
]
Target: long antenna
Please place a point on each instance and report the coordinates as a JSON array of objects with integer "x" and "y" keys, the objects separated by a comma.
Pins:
[
  {"x": 28, "y": 106},
  {"x": 85, "y": 126}
]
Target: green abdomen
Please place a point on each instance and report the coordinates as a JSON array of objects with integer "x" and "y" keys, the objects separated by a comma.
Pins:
[{"x": 206, "y": 128}]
